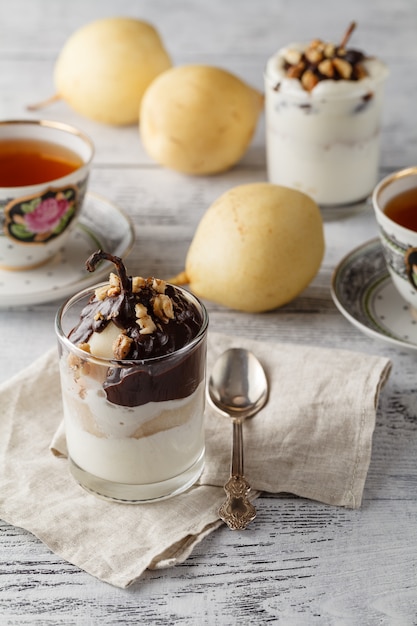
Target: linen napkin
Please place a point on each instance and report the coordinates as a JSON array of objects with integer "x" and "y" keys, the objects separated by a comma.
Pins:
[{"x": 313, "y": 439}]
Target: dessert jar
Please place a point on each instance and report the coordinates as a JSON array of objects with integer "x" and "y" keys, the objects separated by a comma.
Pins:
[
  {"x": 324, "y": 140},
  {"x": 44, "y": 172},
  {"x": 134, "y": 429}
]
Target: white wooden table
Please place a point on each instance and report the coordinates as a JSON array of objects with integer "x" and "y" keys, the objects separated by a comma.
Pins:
[{"x": 301, "y": 562}]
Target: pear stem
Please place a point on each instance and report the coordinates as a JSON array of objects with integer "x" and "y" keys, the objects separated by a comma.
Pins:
[
  {"x": 179, "y": 279},
  {"x": 44, "y": 103},
  {"x": 347, "y": 34},
  {"x": 98, "y": 256}
]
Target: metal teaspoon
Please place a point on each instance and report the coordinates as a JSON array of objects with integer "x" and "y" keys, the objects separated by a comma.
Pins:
[{"x": 238, "y": 388}]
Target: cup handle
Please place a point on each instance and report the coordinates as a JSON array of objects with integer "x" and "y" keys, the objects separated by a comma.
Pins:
[{"x": 411, "y": 266}]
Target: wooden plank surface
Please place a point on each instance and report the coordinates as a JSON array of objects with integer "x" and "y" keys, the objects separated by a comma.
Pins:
[{"x": 300, "y": 562}]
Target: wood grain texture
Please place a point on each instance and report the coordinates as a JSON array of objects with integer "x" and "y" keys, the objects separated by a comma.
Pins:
[{"x": 299, "y": 562}]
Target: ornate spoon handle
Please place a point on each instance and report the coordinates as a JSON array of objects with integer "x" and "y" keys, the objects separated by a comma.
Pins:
[{"x": 237, "y": 511}]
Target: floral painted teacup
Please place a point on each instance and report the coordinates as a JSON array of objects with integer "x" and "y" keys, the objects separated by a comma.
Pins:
[
  {"x": 394, "y": 202},
  {"x": 44, "y": 169}
]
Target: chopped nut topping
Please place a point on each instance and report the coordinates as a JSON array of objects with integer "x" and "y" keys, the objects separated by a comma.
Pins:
[
  {"x": 137, "y": 283},
  {"x": 343, "y": 67},
  {"x": 314, "y": 55},
  {"x": 140, "y": 310},
  {"x": 293, "y": 57},
  {"x": 317, "y": 43},
  {"x": 107, "y": 291},
  {"x": 163, "y": 308},
  {"x": 147, "y": 325},
  {"x": 329, "y": 51},
  {"x": 159, "y": 285},
  {"x": 114, "y": 285},
  {"x": 114, "y": 280},
  {"x": 309, "y": 80},
  {"x": 324, "y": 61},
  {"x": 101, "y": 292},
  {"x": 295, "y": 71},
  {"x": 150, "y": 293},
  {"x": 130, "y": 316},
  {"x": 121, "y": 346},
  {"x": 84, "y": 346},
  {"x": 326, "y": 68}
]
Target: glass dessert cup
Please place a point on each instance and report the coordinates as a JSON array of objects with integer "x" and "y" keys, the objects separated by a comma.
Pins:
[
  {"x": 327, "y": 147},
  {"x": 147, "y": 443},
  {"x": 323, "y": 104}
]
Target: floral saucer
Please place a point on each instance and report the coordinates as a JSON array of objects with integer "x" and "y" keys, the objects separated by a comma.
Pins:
[
  {"x": 101, "y": 225},
  {"x": 364, "y": 293}
]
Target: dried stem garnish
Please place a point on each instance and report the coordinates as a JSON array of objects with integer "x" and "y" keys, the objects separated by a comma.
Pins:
[
  {"x": 347, "y": 34},
  {"x": 98, "y": 256}
]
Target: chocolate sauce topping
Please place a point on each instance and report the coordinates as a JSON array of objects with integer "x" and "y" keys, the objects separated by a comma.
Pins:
[
  {"x": 168, "y": 337},
  {"x": 156, "y": 332}
]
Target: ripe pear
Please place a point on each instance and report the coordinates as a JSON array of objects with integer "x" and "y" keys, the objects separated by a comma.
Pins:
[
  {"x": 256, "y": 248},
  {"x": 198, "y": 119},
  {"x": 105, "y": 67}
]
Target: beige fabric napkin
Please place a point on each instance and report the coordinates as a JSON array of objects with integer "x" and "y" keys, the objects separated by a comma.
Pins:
[{"x": 312, "y": 439}]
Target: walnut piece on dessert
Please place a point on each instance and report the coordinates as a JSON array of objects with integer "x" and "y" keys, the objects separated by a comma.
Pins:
[
  {"x": 137, "y": 283},
  {"x": 147, "y": 325},
  {"x": 121, "y": 346},
  {"x": 163, "y": 307},
  {"x": 323, "y": 60}
]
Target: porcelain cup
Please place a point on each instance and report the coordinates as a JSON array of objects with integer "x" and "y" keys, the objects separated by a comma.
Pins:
[
  {"x": 36, "y": 219},
  {"x": 399, "y": 243}
]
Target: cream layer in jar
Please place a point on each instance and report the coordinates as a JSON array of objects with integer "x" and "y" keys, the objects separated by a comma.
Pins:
[
  {"x": 323, "y": 132},
  {"x": 134, "y": 445}
]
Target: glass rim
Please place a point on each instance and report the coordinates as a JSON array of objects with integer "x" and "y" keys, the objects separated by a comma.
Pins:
[{"x": 122, "y": 363}]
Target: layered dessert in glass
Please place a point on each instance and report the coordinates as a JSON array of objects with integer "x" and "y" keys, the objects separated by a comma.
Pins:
[
  {"x": 132, "y": 365},
  {"x": 323, "y": 116}
]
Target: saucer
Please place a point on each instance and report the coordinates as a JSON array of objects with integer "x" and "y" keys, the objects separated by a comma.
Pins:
[
  {"x": 364, "y": 293},
  {"x": 101, "y": 225}
]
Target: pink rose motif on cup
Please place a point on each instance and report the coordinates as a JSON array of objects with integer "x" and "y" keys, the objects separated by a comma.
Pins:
[
  {"x": 47, "y": 215},
  {"x": 41, "y": 218}
]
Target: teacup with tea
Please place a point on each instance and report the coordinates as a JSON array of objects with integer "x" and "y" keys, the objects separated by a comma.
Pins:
[
  {"x": 395, "y": 205},
  {"x": 44, "y": 169}
]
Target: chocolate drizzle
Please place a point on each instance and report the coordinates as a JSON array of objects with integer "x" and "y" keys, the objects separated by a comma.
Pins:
[{"x": 137, "y": 383}]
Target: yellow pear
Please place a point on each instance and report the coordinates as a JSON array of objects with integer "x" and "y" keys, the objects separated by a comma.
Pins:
[
  {"x": 256, "y": 248},
  {"x": 198, "y": 119},
  {"x": 105, "y": 67}
]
